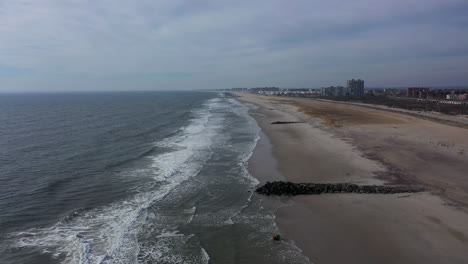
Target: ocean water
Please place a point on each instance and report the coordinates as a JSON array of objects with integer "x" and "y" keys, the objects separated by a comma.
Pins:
[{"x": 144, "y": 177}]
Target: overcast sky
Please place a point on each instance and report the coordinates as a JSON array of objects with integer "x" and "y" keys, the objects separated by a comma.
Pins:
[{"x": 194, "y": 44}]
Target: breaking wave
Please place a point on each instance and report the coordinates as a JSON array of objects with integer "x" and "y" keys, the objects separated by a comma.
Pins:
[{"x": 110, "y": 234}]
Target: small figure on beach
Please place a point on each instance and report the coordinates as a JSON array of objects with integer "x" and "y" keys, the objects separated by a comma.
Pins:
[{"x": 276, "y": 238}]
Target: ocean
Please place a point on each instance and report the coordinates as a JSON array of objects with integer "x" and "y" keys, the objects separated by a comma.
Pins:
[{"x": 132, "y": 177}]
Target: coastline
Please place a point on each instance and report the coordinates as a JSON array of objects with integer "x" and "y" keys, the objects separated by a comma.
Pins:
[
  {"x": 456, "y": 120},
  {"x": 331, "y": 228}
]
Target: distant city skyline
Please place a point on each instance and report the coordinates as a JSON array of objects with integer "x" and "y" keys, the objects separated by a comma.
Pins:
[{"x": 110, "y": 45}]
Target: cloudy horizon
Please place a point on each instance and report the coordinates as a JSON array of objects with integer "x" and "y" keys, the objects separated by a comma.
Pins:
[{"x": 74, "y": 45}]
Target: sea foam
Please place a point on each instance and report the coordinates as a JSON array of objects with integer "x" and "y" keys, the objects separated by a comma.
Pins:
[{"x": 109, "y": 234}]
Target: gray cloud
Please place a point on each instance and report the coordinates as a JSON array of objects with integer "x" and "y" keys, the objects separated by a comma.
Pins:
[{"x": 181, "y": 44}]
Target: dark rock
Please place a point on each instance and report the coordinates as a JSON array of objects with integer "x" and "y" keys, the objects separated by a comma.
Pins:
[
  {"x": 289, "y": 188},
  {"x": 284, "y": 122}
]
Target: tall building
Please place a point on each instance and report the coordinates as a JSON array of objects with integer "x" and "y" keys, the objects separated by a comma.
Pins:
[
  {"x": 417, "y": 92},
  {"x": 333, "y": 91},
  {"x": 355, "y": 87}
]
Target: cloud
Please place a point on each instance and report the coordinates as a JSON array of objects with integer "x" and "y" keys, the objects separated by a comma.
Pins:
[
  {"x": 13, "y": 72},
  {"x": 104, "y": 44}
]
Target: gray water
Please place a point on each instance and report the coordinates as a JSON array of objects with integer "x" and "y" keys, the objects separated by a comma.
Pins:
[{"x": 150, "y": 177}]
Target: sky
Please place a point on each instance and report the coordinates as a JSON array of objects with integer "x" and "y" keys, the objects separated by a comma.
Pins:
[{"x": 86, "y": 45}]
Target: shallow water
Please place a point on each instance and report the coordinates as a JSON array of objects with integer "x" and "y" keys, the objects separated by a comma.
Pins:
[{"x": 154, "y": 177}]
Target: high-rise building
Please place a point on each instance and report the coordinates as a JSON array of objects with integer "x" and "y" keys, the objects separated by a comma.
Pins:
[
  {"x": 333, "y": 91},
  {"x": 417, "y": 92},
  {"x": 355, "y": 87}
]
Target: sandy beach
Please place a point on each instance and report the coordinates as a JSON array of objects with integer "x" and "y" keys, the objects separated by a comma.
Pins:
[{"x": 350, "y": 143}]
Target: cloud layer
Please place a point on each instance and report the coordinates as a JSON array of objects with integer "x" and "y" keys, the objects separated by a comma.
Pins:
[{"x": 183, "y": 44}]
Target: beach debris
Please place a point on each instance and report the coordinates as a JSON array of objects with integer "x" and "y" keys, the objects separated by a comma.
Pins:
[
  {"x": 290, "y": 188},
  {"x": 276, "y": 238},
  {"x": 285, "y": 122}
]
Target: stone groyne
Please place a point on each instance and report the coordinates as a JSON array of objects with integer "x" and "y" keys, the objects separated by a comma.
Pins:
[
  {"x": 285, "y": 122},
  {"x": 290, "y": 188}
]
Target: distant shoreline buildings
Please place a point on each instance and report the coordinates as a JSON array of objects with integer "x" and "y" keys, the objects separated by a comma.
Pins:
[
  {"x": 438, "y": 94},
  {"x": 355, "y": 88},
  {"x": 417, "y": 92}
]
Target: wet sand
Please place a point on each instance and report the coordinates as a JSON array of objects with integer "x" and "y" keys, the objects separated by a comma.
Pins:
[{"x": 349, "y": 143}]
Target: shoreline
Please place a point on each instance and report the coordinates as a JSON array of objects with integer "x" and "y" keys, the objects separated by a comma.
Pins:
[
  {"x": 456, "y": 120},
  {"x": 330, "y": 228}
]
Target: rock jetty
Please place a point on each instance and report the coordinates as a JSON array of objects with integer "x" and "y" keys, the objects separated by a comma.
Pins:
[
  {"x": 284, "y": 122},
  {"x": 290, "y": 188}
]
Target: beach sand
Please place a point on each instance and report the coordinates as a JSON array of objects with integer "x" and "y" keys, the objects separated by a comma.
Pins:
[{"x": 348, "y": 143}]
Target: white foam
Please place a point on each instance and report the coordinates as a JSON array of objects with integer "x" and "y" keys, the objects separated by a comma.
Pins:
[
  {"x": 170, "y": 234},
  {"x": 242, "y": 110},
  {"x": 192, "y": 214},
  {"x": 225, "y": 216},
  {"x": 109, "y": 234},
  {"x": 205, "y": 256}
]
